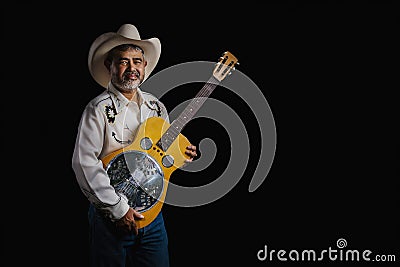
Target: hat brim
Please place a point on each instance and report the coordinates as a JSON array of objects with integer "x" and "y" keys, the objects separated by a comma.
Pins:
[{"x": 104, "y": 43}]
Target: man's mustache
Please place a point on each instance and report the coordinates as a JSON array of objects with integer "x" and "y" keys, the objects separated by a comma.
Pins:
[{"x": 136, "y": 73}]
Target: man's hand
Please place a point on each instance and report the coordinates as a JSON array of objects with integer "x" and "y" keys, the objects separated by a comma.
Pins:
[
  {"x": 127, "y": 223},
  {"x": 191, "y": 151}
]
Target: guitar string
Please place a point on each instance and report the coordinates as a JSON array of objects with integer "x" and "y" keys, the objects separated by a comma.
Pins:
[
  {"x": 202, "y": 94},
  {"x": 188, "y": 112},
  {"x": 193, "y": 107}
]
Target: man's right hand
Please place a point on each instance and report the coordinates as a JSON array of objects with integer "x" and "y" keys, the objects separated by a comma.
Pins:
[{"x": 127, "y": 222}]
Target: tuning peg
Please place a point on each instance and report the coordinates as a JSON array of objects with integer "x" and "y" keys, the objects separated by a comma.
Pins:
[{"x": 237, "y": 63}]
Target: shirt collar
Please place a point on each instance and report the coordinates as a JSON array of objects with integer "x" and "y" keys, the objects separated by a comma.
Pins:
[{"x": 121, "y": 101}]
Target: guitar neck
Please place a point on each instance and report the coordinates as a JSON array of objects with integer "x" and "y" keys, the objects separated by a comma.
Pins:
[
  {"x": 187, "y": 114},
  {"x": 194, "y": 105}
]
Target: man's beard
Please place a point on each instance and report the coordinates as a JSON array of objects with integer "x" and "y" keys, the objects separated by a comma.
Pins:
[{"x": 126, "y": 84}]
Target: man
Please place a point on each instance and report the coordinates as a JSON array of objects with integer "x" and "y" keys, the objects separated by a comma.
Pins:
[{"x": 119, "y": 62}]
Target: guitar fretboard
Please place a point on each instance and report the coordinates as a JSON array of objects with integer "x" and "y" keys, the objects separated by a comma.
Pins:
[{"x": 187, "y": 114}]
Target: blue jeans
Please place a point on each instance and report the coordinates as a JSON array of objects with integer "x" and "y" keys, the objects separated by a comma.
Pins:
[{"x": 112, "y": 248}]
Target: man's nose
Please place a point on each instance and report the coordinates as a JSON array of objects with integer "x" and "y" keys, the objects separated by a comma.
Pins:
[{"x": 132, "y": 67}]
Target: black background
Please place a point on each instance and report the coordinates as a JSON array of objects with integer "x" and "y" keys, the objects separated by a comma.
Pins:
[{"x": 327, "y": 71}]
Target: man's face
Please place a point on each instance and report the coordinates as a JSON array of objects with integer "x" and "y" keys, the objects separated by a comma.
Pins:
[{"x": 128, "y": 69}]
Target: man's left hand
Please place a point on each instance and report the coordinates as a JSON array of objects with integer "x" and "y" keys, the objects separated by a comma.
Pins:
[{"x": 191, "y": 151}]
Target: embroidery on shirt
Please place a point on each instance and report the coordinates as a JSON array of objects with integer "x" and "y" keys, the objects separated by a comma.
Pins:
[
  {"x": 110, "y": 112},
  {"x": 159, "y": 109},
  {"x": 120, "y": 141}
]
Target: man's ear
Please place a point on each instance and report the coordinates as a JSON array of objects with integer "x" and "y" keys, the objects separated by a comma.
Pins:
[{"x": 107, "y": 63}]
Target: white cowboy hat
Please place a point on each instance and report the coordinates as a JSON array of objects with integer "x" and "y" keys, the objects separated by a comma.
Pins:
[{"x": 126, "y": 34}]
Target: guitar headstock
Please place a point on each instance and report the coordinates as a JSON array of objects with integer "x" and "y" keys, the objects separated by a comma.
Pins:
[{"x": 225, "y": 65}]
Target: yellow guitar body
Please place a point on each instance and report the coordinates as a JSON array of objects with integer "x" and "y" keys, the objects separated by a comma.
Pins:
[{"x": 153, "y": 128}]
